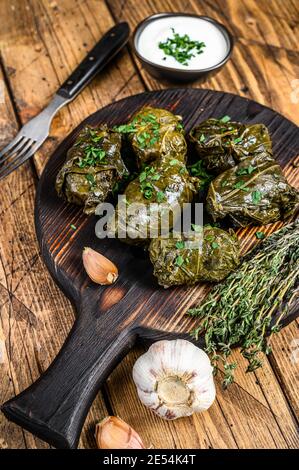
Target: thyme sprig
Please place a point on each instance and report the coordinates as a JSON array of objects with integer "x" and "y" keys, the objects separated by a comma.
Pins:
[{"x": 251, "y": 302}]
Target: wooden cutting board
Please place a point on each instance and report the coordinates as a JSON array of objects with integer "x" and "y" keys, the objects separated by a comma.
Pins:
[{"x": 110, "y": 319}]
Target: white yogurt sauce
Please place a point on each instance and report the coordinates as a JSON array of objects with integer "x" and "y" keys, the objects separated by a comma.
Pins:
[{"x": 197, "y": 29}]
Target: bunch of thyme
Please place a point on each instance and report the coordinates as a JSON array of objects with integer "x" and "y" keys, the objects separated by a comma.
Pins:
[{"x": 251, "y": 303}]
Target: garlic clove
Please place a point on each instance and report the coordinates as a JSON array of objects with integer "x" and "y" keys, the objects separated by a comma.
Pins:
[
  {"x": 114, "y": 433},
  {"x": 174, "y": 379},
  {"x": 99, "y": 268}
]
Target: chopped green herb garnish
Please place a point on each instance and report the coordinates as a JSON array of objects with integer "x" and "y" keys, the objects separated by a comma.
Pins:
[
  {"x": 160, "y": 196},
  {"x": 73, "y": 227},
  {"x": 90, "y": 178},
  {"x": 198, "y": 169},
  {"x": 179, "y": 260},
  {"x": 202, "y": 138},
  {"x": 224, "y": 183},
  {"x": 146, "y": 177},
  {"x": 125, "y": 128},
  {"x": 250, "y": 169},
  {"x": 240, "y": 185},
  {"x": 180, "y": 245},
  {"x": 94, "y": 136},
  {"x": 182, "y": 48},
  {"x": 93, "y": 156},
  {"x": 225, "y": 119},
  {"x": 260, "y": 235},
  {"x": 245, "y": 171},
  {"x": 256, "y": 197},
  {"x": 196, "y": 228},
  {"x": 214, "y": 245},
  {"x": 175, "y": 161}
]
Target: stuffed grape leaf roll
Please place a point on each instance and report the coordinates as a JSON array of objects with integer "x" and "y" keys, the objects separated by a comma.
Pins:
[
  {"x": 222, "y": 145},
  {"x": 147, "y": 133},
  {"x": 92, "y": 168},
  {"x": 253, "y": 192},
  {"x": 153, "y": 200},
  {"x": 207, "y": 254}
]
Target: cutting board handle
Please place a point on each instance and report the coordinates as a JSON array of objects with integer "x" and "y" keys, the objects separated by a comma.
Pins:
[{"x": 54, "y": 407}]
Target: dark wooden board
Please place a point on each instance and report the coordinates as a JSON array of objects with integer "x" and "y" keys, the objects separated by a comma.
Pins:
[{"x": 111, "y": 318}]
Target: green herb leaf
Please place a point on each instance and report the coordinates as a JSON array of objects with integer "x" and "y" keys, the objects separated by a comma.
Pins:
[
  {"x": 125, "y": 128},
  {"x": 160, "y": 196},
  {"x": 180, "y": 245},
  {"x": 179, "y": 261},
  {"x": 214, "y": 245},
  {"x": 240, "y": 185},
  {"x": 245, "y": 171},
  {"x": 256, "y": 197},
  {"x": 198, "y": 169},
  {"x": 182, "y": 48},
  {"x": 196, "y": 228},
  {"x": 73, "y": 227},
  {"x": 90, "y": 178},
  {"x": 260, "y": 235},
  {"x": 225, "y": 119}
]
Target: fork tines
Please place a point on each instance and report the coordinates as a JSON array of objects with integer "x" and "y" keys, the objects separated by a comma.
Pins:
[{"x": 14, "y": 154}]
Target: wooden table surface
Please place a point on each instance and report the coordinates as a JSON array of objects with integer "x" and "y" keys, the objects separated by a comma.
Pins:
[{"x": 41, "y": 41}]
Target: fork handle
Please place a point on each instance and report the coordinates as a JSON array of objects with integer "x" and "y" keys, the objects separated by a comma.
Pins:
[{"x": 107, "y": 47}]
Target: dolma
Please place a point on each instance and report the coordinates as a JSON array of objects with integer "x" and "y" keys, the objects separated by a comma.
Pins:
[
  {"x": 222, "y": 145},
  {"x": 147, "y": 133},
  {"x": 207, "y": 254},
  {"x": 92, "y": 168},
  {"x": 253, "y": 192},
  {"x": 158, "y": 194}
]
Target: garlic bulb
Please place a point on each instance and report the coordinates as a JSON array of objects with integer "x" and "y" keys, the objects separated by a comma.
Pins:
[
  {"x": 99, "y": 268},
  {"x": 114, "y": 433},
  {"x": 174, "y": 379}
]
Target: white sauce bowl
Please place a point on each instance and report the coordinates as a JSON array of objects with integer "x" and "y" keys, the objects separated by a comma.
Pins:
[{"x": 158, "y": 28}]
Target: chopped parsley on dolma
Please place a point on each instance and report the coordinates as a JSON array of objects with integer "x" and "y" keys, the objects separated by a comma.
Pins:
[
  {"x": 163, "y": 184},
  {"x": 207, "y": 254},
  {"x": 222, "y": 145},
  {"x": 154, "y": 200},
  {"x": 253, "y": 192},
  {"x": 147, "y": 132},
  {"x": 92, "y": 168}
]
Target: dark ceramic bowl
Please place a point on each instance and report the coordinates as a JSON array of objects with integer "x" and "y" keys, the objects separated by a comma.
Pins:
[{"x": 171, "y": 73}]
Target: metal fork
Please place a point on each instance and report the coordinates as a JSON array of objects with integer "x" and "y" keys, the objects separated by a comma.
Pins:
[{"x": 34, "y": 133}]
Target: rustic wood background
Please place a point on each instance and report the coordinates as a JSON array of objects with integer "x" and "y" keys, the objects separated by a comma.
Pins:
[{"x": 41, "y": 41}]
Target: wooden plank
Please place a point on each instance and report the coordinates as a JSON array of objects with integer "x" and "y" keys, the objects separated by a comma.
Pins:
[
  {"x": 42, "y": 42},
  {"x": 240, "y": 417},
  {"x": 44, "y": 316},
  {"x": 255, "y": 70},
  {"x": 206, "y": 430},
  {"x": 258, "y": 69},
  {"x": 10, "y": 435},
  {"x": 273, "y": 23},
  {"x": 55, "y": 34},
  {"x": 35, "y": 315},
  {"x": 155, "y": 310}
]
